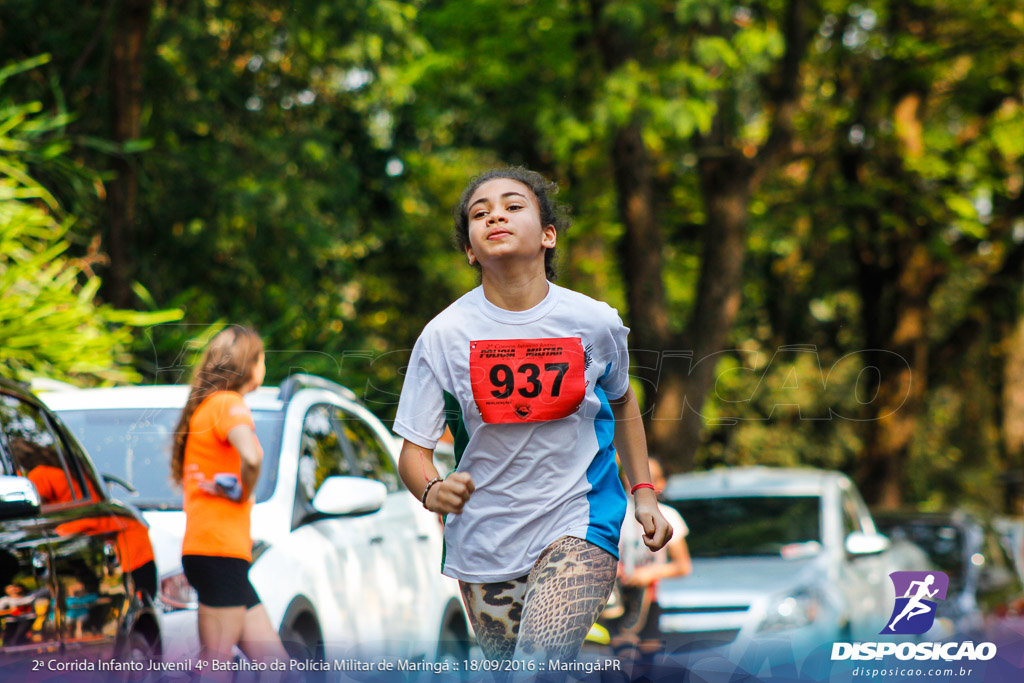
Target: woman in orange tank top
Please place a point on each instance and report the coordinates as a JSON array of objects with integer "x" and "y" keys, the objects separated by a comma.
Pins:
[{"x": 216, "y": 459}]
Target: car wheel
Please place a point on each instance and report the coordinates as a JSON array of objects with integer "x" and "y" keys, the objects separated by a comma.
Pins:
[
  {"x": 303, "y": 643},
  {"x": 453, "y": 645},
  {"x": 139, "y": 652},
  {"x": 302, "y": 639}
]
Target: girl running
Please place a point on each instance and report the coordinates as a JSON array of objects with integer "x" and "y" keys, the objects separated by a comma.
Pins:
[
  {"x": 216, "y": 459},
  {"x": 532, "y": 380}
]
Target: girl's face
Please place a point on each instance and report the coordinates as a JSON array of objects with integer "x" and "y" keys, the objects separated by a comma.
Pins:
[
  {"x": 504, "y": 224},
  {"x": 259, "y": 372}
]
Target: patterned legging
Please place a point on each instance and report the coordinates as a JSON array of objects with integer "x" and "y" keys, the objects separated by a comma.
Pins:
[{"x": 547, "y": 613}]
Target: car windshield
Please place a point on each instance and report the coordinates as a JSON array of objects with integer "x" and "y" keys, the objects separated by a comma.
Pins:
[
  {"x": 789, "y": 526},
  {"x": 135, "y": 444},
  {"x": 944, "y": 544}
]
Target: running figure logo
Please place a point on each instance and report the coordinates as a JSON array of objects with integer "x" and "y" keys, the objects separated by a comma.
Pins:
[{"x": 917, "y": 594}]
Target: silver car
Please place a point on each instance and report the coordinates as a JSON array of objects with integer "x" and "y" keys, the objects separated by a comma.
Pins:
[{"x": 783, "y": 559}]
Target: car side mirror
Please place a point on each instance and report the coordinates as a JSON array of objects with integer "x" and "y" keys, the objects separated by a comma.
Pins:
[
  {"x": 113, "y": 479},
  {"x": 863, "y": 543},
  {"x": 18, "y": 497},
  {"x": 339, "y": 496}
]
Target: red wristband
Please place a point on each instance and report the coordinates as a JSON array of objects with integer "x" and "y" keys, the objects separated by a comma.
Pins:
[{"x": 641, "y": 486}]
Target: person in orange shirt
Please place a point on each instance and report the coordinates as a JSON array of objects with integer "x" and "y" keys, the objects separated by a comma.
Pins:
[
  {"x": 216, "y": 458},
  {"x": 134, "y": 546},
  {"x": 41, "y": 464},
  {"x": 55, "y": 487}
]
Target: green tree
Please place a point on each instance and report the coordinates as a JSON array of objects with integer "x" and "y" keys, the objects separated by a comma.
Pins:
[
  {"x": 662, "y": 119},
  {"x": 790, "y": 173},
  {"x": 248, "y": 158},
  {"x": 50, "y": 322},
  {"x": 892, "y": 243},
  {"x": 818, "y": 199}
]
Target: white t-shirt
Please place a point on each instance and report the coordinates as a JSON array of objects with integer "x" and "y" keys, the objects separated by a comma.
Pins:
[
  {"x": 525, "y": 394},
  {"x": 633, "y": 552}
]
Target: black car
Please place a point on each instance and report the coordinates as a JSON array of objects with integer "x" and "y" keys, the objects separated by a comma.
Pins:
[
  {"x": 76, "y": 571},
  {"x": 983, "y": 583}
]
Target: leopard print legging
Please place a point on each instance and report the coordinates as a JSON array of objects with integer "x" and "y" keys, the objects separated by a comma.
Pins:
[{"x": 547, "y": 613}]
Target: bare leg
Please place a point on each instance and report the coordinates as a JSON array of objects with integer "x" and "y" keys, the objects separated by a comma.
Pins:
[
  {"x": 219, "y": 631},
  {"x": 258, "y": 639}
]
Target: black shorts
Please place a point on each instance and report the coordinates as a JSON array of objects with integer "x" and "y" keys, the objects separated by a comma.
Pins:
[
  {"x": 640, "y": 616},
  {"x": 145, "y": 578},
  {"x": 651, "y": 630},
  {"x": 220, "y": 581}
]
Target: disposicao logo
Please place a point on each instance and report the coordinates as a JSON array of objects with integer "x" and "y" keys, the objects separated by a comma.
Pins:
[{"x": 917, "y": 594}]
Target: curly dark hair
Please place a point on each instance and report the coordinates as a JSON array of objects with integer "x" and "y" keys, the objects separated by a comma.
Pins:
[{"x": 552, "y": 212}]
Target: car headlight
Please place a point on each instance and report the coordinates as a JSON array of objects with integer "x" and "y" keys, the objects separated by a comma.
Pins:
[
  {"x": 176, "y": 593},
  {"x": 791, "y": 611}
]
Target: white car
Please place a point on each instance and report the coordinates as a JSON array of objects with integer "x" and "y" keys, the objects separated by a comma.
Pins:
[
  {"x": 781, "y": 557},
  {"x": 346, "y": 562}
]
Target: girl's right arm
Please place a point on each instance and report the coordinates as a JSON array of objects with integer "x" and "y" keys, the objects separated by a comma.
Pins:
[{"x": 416, "y": 467}]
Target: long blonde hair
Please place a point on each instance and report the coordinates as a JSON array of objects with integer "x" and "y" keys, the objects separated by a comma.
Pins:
[{"x": 227, "y": 365}]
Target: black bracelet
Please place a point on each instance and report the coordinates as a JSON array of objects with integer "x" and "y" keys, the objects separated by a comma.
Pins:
[{"x": 423, "y": 497}]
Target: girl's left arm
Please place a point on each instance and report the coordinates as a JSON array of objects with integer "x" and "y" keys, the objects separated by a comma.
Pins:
[
  {"x": 631, "y": 445},
  {"x": 243, "y": 438}
]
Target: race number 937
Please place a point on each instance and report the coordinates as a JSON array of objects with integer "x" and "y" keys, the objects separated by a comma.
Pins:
[{"x": 527, "y": 380}]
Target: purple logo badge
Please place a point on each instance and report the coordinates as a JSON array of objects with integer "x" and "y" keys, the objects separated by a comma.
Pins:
[{"x": 917, "y": 594}]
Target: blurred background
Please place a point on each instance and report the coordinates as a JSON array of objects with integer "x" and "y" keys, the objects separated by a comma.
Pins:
[{"x": 809, "y": 212}]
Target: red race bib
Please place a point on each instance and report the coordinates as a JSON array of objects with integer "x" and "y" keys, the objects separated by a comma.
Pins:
[{"x": 527, "y": 380}]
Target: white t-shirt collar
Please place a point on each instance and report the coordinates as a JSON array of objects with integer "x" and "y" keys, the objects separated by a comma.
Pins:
[{"x": 518, "y": 317}]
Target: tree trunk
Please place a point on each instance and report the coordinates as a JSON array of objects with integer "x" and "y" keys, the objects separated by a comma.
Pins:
[
  {"x": 640, "y": 253},
  {"x": 901, "y": 366},
  {"x": 1013, "y": 394},
  {"x": 126, "y": 112},
  {"x": 1012, "y": 414},
  {"x": 675, "y": 427},
  {"x": 678, "y": 374}
]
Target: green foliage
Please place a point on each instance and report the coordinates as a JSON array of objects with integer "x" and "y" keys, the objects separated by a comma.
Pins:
[
  {"x": 50, "y": 323},
  {"x": 276, "y": 203},
  {"x": 891, "y": 226},
  {"x": 299, "y": 160}
]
